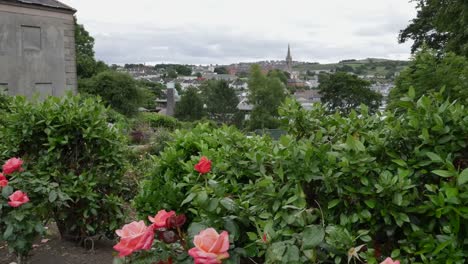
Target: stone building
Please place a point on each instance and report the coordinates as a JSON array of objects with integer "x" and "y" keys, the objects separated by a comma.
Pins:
[{"x": 37, "y": 48}]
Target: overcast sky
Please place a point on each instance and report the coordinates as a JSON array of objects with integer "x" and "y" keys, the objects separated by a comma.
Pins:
[{"x": 224, "y": 32}]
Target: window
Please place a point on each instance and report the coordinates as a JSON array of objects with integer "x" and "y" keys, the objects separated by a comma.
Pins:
[{"x": 31, "y": 38}]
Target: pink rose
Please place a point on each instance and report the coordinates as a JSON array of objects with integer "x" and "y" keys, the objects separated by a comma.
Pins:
[
  {"x": 133, "y": 237},
  {"x": 203, "y": 166},
  {"x": 12, "y": 165},
  {"x": 390, "y": 261},
  {"x": 3, "y": 180},
  {"x": 159, "y": 220},
  {"x": 18, "y": 198},
  {"x": 210, "y": 247}
]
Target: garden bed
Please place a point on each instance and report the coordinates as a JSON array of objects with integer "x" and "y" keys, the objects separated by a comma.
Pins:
[{"x": 58, "y": 251}]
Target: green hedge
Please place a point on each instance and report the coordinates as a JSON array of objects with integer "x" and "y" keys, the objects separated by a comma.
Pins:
[
  {"x": 70, "y": 147},
  {"x": 394, "y": 183},
  {"x": 157, "y": 121}
]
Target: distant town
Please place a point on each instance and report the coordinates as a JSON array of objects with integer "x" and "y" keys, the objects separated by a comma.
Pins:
[{"x": 303, "y": 77}]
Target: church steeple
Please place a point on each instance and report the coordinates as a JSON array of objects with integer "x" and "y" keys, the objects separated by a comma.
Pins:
[{"x": 289, "y": 60}]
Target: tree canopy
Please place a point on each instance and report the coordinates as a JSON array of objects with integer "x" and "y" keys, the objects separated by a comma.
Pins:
[
  {"x": 221, "y": 101},
  {"x": 343, "y": 92},
  {"x": 265, "y": 94},
  {"x": 117, "y": 90},
  {"x": 441, "y": 25},
  {"x": 190, "y": 106},
  {"x": 86, "y": 64},
  {"x": 221, "y": 70},
  {"x": 430, "y": 71}
]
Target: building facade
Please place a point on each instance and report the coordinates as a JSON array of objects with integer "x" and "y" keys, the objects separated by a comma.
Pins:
[{"x": 37, "y": 48}]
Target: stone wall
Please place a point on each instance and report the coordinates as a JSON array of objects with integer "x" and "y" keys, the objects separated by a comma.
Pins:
[{"x": 37, "y": 51}]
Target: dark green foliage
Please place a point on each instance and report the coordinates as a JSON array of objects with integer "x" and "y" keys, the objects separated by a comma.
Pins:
[
  {"x": 343, "y": 92},
  {"x": 441, "y": 25},
  {"x": 76, "y": 158},
  {"x": 171, "y": 73},
  {"x": 221, "y": 101},
  {"x": 247, "y": 186},
  {"x": 429, "y": 72},
  {"x": 179, "y": 69},
  {"x": 398, "y": 182},
  {"x": 221, "y": 70},
  {"x": 150, "y": 92},
  {"x": 345, "y": 68},
  {"x": 118, "y": 90},
  {"x": 282, "y": 75},
  {"x": 190, "y": 107},
  {"x": 157, "y": 121},
  {"x": 265, "y": 94},
  {"x": 86, "y": 64}
]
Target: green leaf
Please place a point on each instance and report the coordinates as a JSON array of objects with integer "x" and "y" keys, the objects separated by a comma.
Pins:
[
  {"x": 443, "y": 173},
  {"x": 52, "y": 196},
  {"x": 189, "y": 198},
  {"x": 7, "y": 191},
  {"x": 354, "y": 144},
  {"x": 8, "y": 232},
  {"x": 463, "y": 177},
  {"x": 370, "y": 203},
  {"x": 411, "y": 93},
  {"x": 395, "y": 253},
  {"x": 434, "y": 157},
  {"x": 397, "y": 198},
  {"x": 312, "y": 236},
  {"x": 202, "y": 197},
  {"x": 228, "y": 203},
  {"x": 333, "y": 203}
]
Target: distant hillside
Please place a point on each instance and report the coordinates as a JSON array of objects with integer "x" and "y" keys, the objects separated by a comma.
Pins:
[{"x": 369, "y": 66}]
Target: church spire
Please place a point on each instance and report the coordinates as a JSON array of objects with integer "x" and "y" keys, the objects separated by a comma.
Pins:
[{"x": 289, "y": 60}]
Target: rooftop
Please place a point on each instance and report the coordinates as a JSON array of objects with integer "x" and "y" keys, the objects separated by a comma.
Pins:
[{"x": 42, "y": 3}]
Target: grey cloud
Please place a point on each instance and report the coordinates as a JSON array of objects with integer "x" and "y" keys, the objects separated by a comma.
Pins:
[{"x": 223, "y": 46}]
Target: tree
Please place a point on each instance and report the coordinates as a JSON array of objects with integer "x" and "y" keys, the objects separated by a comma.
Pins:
[
  {"x": 118, "y": 90},
  {"x": 221, "y": 70},
  {"x": 441, "y": 25},
  {"x": 198, "y": 74},
  {"x": 265, "y": 94},
  {"x": 429, "y": 71},
  {"x": 281, "y": 75},
  {"x": 345, "y": 68},
  {"x": 190, "y": 107},
  {"x": 343, "y": 92},
  {"x": 86, "y": 64},
  {"x": 221, "y": 101},
  {"x": 150, "y": 92},
  {"x": 183, "y": 70},
  {"x": 171, "y": 73}
]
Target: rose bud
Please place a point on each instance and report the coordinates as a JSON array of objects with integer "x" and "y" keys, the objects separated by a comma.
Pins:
[
  {"x": 176, "y": 221},
  {"x": 168, "y": 237}
]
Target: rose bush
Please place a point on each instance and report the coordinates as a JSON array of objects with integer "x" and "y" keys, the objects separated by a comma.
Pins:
[
  {"x": 374, "y": 185},
  {"x": 21, "y": 220},
  {"x": 165, "y": 240}
]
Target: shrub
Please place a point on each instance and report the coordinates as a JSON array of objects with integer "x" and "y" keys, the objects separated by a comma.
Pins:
[
  {"x": 337, "y": 187},
  {"x": 117, "y": 90},
  {"x": 396, "y": 182},
  {"x": 242, "y": 194},
  {"x": 157, "y": 121},
  {"x": 72, "y": 149}
]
